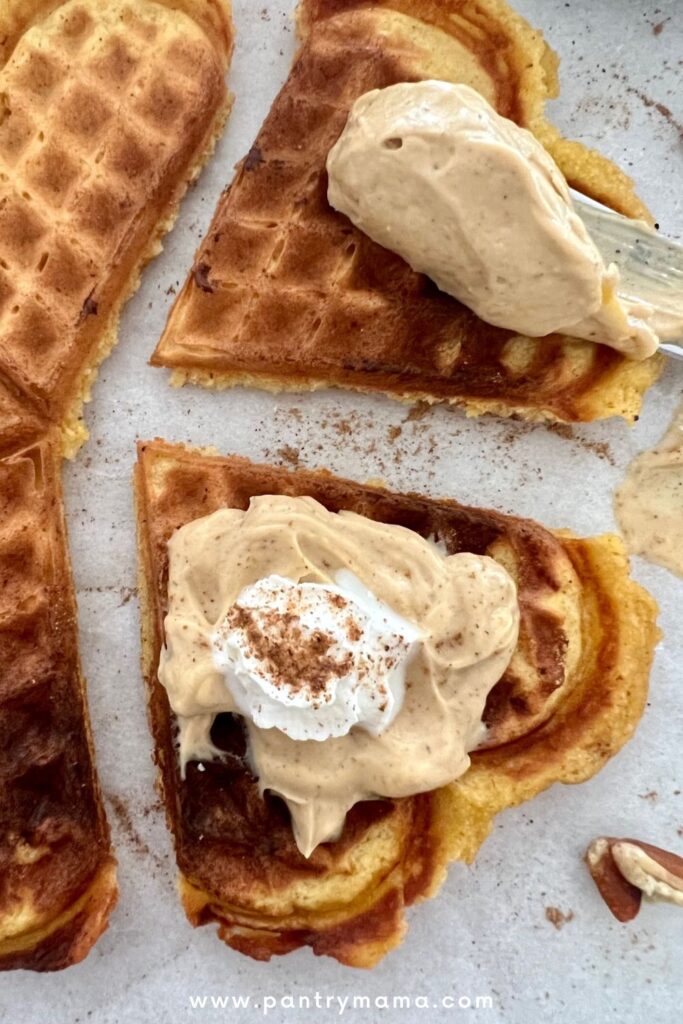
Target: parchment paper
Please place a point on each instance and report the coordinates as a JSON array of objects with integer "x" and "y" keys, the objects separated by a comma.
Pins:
[{"x": 486, "y": 934}]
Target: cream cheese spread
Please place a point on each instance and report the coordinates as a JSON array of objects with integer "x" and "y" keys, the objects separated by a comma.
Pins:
[
  {"x": 447, "y": 623},
  {"x": 643, "y": 871},
  {"x": 432, "y": 172},
  {"x": 649, "y": 503}
]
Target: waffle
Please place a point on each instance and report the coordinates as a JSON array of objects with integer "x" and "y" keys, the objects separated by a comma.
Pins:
[
  {"x": 572, "y": 695},
  {"x": 57, "y": 874},
  {"x": 285, "y": 294},
  {"x": 106, "y": 112}
]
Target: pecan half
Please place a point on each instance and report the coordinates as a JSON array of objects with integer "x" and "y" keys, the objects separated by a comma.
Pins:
[{"x": 625, "y": 870}]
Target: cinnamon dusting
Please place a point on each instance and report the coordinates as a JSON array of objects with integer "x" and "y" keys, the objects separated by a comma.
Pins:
[{"x": 295, "y": 659}]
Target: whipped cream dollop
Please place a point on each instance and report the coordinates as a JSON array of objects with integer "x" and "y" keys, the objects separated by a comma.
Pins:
[
  {"x": 449, "y": 623},
  {"x": 314, "y": 659},
  {"x": 431, "y": 171}
]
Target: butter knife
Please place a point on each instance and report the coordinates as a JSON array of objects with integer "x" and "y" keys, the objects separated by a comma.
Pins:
[{"x": 651, "y": 265}]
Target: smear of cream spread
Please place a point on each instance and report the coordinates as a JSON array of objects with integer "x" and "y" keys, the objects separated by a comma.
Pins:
[{"x": 649, "y": 503}]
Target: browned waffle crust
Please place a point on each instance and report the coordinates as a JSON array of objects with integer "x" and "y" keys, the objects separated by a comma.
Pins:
[
  {"x": 286, "y": 294},
  {"x": 107, "y": 110},
  {"x": 57, "y": 873},
  {"x": 571, "y": 697}
]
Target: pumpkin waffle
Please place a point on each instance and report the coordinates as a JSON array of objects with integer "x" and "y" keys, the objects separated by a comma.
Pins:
[
  {"x": 107, "y": 111},
  {"x": 572, "y": 695},
  {"x": 285, "y": 294},
  {"x": 57, "y": 873}
]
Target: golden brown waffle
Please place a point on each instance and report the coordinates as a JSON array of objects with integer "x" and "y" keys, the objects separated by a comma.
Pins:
[
  {"x": 57, "y": 873},
  {"x": 286, "y": 294},
  {"x": 571, "y": 697},
  {"x": 107, "y": 111}
]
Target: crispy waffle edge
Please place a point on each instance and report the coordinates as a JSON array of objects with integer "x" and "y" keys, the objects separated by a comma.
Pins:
[
  {"x": 74, "y": 911},
  {"x": 74, "y": 430},
  {"x": 597, "y": 716},
  {"x": 562, "y": 380},
  {"x": 621, "y": 393}
]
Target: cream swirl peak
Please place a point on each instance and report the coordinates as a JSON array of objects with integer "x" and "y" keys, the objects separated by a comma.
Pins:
[
  {"x": 312, "y": 659},
  {"x": 463, "y": 608}
]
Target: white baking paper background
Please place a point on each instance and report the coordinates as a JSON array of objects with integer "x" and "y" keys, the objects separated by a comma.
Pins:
[{"x": 486, "y": 934}]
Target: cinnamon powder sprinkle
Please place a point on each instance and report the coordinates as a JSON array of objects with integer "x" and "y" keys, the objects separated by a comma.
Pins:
[{"x": 293, "y": 659}]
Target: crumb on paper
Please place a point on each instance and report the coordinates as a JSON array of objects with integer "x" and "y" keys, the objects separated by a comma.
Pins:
[
  {"x": 417, "y": 411},
  {"x": 125, "y": 821},
  {"x": 558, "y": 918},
  {"x": 289, "y": 454}
]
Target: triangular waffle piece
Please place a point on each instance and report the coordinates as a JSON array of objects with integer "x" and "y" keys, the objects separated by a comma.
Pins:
[
  {"x": 571, "y": 697},
  {"x": 286, "y": 294},
  {"x": 107, "y": 110}
]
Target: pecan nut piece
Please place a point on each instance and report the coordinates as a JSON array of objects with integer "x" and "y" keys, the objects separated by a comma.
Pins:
[{"x": 625, "y": 870}]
